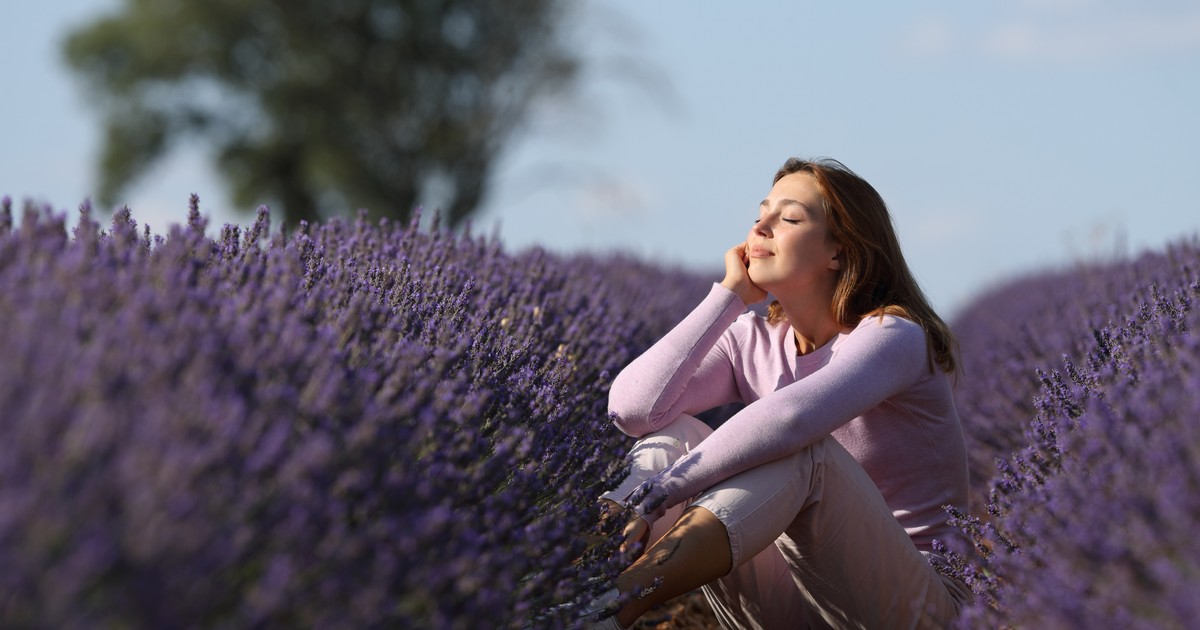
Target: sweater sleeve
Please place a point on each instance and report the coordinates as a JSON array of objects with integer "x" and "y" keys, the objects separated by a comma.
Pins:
[
  {"x": 878, "y": 360},
  {"x": 684, "y": 372}
]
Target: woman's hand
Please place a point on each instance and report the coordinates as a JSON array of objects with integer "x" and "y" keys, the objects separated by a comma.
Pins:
[
  {"x": 635, "y": 533},
  {"x": 737, "y": 276}
]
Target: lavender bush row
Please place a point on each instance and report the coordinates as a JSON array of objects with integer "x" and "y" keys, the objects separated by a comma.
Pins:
[
  {"x": 1036, "y": 321},
  {"x": 1091, "y": 524},
  {"x": 354, "y": 425}
]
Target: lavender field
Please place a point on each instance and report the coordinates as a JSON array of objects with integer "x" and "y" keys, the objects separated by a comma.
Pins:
[
  {"x": 353, "y": 425},
  {"x": 1081, "y": 400},
  {"x": 376, "y": 425}
]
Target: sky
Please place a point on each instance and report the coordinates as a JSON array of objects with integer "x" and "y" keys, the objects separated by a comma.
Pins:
[{"x": 1007, "y": 136}]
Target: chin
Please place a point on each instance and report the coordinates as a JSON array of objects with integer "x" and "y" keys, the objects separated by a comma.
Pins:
[{"x": 760, "y": 279}]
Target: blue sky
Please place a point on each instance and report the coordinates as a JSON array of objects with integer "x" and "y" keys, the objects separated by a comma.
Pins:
[{"x": 1006, "y": 136}]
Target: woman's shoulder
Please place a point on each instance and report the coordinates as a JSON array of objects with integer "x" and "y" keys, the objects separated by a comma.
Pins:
[
  {"x": 891, "y": 329},
  {"x": 890, "y": 321}
]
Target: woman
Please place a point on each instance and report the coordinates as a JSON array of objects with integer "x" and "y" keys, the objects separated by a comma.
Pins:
[{"x": 817, "y": 504}]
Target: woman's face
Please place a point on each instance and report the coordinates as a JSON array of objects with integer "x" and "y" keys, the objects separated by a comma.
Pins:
[{"x": 789, "y": 246}]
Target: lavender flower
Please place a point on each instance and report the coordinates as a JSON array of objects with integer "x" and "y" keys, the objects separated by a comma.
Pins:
[
  {"x": 1090, "y": 523},
  {"x": 351, "y": 425}
]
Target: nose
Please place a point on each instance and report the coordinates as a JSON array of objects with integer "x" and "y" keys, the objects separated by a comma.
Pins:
[{"x": 762, "y": 228}]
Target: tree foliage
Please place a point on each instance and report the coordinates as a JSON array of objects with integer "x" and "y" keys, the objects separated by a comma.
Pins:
[{"x": 322, "y": 107}]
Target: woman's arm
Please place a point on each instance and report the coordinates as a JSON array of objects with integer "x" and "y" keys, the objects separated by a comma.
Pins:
[
  {"x": 879, "y": 360},
  {"x": 684, "y": 372}
]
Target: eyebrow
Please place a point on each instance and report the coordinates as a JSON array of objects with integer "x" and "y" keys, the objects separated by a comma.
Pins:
[{"x": 787, "y": 202}]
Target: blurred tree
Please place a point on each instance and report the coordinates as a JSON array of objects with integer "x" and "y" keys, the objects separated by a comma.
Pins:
[{"x": 321, "y": 107}]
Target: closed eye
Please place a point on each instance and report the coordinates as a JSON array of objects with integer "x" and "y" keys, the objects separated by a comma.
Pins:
[{"x": 792, "y": 221}]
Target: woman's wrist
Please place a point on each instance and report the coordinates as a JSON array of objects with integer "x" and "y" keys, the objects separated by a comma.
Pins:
[
  {"x": 731, "y": 286},
  {"x": 738, "y": 289}
]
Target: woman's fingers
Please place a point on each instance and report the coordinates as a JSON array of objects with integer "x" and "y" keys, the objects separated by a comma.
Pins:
[
  {"x": 738, "y": 254},
  {"x": 635, "y": 533},
  {"x": 737, "y": 275}
]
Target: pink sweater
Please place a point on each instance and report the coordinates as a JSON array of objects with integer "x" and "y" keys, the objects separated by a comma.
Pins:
[{"x": 870, "y": 387}]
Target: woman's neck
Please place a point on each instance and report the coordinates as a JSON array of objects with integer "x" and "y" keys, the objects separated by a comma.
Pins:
[{"x": 812, "y": 323}]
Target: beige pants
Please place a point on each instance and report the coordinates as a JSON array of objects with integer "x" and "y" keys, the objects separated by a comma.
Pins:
[{"x": 813, "y": 543}]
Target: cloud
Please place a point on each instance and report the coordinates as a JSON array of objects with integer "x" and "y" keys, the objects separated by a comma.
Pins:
[
  {"x": 1055, "y": 6},
  {"x": 607, "y": 197},
  {"x": 1107, "y": 38},
  {"x": 1073, "y": 31}
]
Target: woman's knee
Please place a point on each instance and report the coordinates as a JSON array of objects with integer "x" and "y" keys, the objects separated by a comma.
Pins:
[
  {"x": 661, "y": 448},
  {"x": 655, "y": 451},
  {"x": 687, "y": 431},
  {"x": 758, "y": 505}
]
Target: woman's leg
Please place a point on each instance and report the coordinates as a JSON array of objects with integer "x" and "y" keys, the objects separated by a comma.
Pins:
[
  {"x": 850, "y": 562},
  {"x": 651, "y": 454},
  {"x": 694, "y": 552},
  {"x": 854, "y": 562},
  {"x": 758, "y": 593}
]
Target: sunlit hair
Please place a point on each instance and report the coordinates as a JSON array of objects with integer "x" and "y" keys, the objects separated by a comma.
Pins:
[{"x": 873, "y": 278}]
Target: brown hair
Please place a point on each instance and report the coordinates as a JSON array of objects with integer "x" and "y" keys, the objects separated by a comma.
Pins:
[{"x": 873, "y": 278}]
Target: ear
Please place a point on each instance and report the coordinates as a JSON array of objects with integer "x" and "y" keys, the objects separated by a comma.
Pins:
[{"x": 835, "y": 263}]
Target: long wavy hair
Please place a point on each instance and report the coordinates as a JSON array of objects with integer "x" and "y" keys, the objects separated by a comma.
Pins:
[{"x": 873, "y": 278}]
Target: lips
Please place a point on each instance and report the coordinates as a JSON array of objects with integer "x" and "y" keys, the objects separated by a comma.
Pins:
[{"x": 756, "y": 251}]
